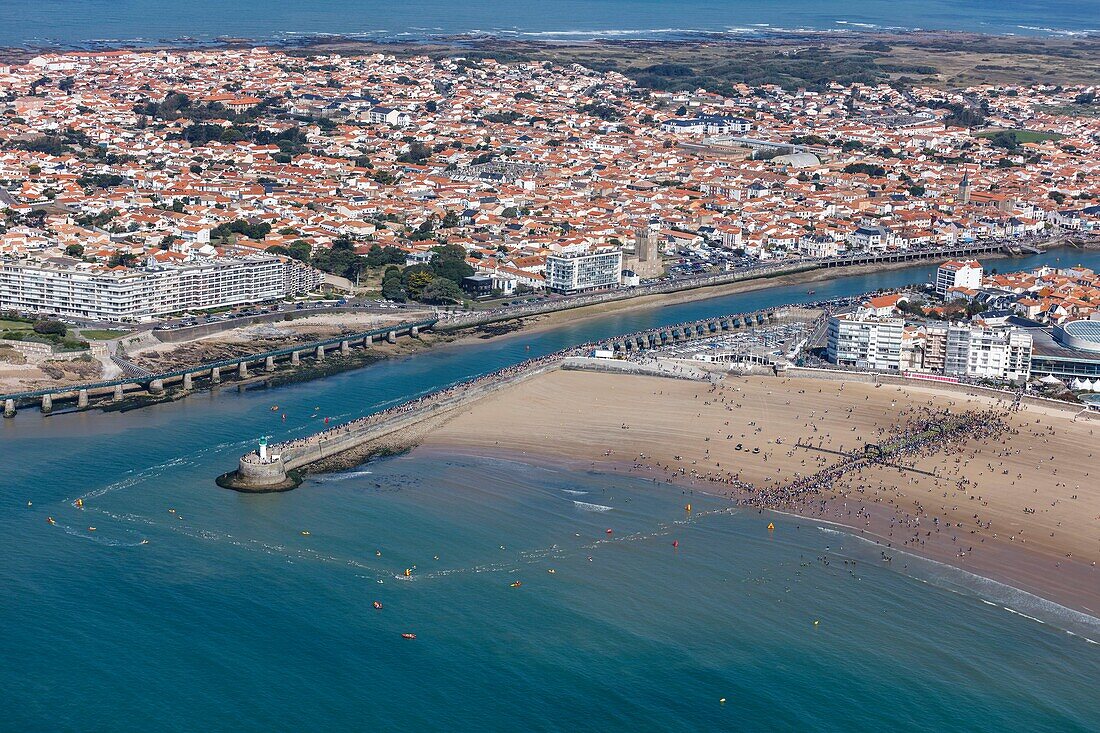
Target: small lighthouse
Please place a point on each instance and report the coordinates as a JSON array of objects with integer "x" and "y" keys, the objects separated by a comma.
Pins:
[{"x": 263, "y": 449}]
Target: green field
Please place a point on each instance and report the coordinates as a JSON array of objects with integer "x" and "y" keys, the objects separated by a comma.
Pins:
[
  {"x": 6, "y": 325},
  {"x": 102, "y": 334},
  {"x": 1025, "y": 136}
]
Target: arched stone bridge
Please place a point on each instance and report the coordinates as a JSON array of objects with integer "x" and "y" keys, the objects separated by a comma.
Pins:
[{"x": 682, "y": 332}]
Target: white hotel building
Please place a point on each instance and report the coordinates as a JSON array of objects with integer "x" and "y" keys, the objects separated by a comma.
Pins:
[
  {"x": 141, "y": 294},
  {"x": 883, "y": 344},
  {"x": 866, "y": 343},
  {"x": 588, "y": 270}
]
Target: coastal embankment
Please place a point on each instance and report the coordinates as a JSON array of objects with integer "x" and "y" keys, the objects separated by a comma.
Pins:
[
  {"x": 712, "y": 286},
  {"x": 144, "y": 389}
]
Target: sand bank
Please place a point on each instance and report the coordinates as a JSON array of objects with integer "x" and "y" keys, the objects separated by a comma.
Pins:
[{"x": 1029, "y": 516}]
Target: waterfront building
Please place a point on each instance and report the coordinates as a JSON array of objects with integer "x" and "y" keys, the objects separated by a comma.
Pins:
[
  {"x": 865, "y": 343},
  {"x": 956, "y": 274},
  {"x": 144, "y": 293},
  {"x": 1068, "y": 351},
  {"x": 586, "y": 270},
  {"x": 957, "y": 350},
  {"x": 984, "y": 352}
]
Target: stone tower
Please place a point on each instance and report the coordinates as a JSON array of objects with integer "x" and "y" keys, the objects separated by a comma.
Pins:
[
  {"x": 645, "y": 244},
  {"x": 964, "y": 189}
]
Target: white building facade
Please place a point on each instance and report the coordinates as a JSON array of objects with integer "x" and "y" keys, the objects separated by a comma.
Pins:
[
  {"x": 141, "y": 294},
  {"x": 581, "y": 271},
  {"x": 955, "y": 274},
  {"x": 866, "y": 343},
  {"x": 1000, "y": 353}
]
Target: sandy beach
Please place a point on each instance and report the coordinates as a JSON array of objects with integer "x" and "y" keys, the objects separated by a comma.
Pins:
[{"x": 1019, "y": 506}]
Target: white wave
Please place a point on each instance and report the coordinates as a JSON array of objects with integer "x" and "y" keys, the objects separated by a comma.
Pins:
[
  {"x": 574, "y": 492},
  {"x": 585, "y": 506},
  {"x": 607, "y": 32},
  {"x": 956, "y": 580},
  {"x": 344, "y": 476}
]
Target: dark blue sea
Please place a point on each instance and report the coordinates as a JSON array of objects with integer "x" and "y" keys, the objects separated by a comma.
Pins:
[
  {"x": 195, "y": 608},
  {"x": 129, "y": 22}
]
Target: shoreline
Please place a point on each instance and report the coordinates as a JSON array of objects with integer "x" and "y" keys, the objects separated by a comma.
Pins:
[
  {"x": 289, "y": 40},
  {"x": 440, "y": 337},
  {"x": 1061, "y": 570},
  {"x": 1006, "y": 589}
]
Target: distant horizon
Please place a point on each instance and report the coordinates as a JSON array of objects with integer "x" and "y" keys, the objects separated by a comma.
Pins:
[{"x": 99, "y": 24}]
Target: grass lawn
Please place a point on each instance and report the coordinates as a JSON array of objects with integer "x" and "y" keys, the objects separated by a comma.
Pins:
[
  {"x": 96, "y": 334},
  {"x": 1025, "y": 136},
  {"x": 6, "y": 325}
]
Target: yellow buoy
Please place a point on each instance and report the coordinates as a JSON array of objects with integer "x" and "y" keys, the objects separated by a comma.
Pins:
[{"x": 771, "y": 527}]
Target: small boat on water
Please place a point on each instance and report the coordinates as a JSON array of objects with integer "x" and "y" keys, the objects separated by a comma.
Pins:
[
  {"x": 274, "y": 408},
  {"x": 408, "y": 636},
  {"x": 91, "y": 529},
  {"x": 305, "y": 533},
  {"x": 377, "y": 605},
  {"x": 551, "y": 571},
  {"x": 516, "y": 584},
  {"x": 79, "y": 503},
  {"x": 810, "y": 292},
  {"x": 50, "y": 520}
]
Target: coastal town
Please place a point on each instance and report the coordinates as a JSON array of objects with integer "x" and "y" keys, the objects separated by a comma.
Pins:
[
  {"x": 547, "y": 366},
  {"x": 141, "y": 185}
]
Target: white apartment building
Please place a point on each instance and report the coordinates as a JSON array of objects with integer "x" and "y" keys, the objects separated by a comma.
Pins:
[
  {"x": 141, "y": 294},
  {"x": 882, "y": 344},
  {"x": 580, "y": 271},
  {"x": 866, "y": 343},
  {"x": 1002, "y": 353},
  {"x": 955, "y": 274}
]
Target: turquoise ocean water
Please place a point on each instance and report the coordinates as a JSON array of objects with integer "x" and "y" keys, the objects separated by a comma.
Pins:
[
  {"x": 230, "y": 618},
  {"x": 118, "y": 22}
]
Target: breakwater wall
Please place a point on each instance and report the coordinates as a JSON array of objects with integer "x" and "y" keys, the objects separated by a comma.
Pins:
[{"x": 275, "y": 471}]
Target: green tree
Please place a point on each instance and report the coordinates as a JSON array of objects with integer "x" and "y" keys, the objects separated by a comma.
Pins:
[
  {"x": 392, "y": 287},
  {"x": 50, "y": 328},
  {"x": 441, "y": 290},
  {"x": 415, "y": 278},
  {"x": 300, "y": 249},
  {"x": 75, "y": 250},
  {"x": 449, "y": 261}
]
